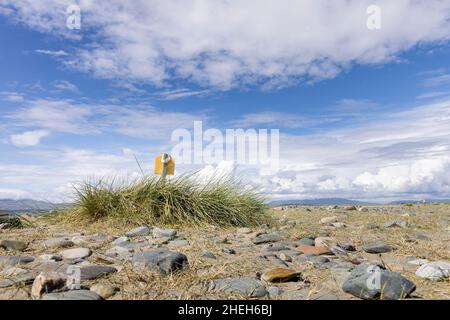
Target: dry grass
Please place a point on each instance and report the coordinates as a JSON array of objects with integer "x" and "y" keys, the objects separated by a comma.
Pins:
[{"x": 149, "y": 200}]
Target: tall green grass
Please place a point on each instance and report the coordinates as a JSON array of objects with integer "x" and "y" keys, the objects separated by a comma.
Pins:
[{"x": 182, "y": 200}]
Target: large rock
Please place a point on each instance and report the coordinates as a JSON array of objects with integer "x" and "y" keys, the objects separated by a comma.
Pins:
[
  {"x": 13, "y": 245},
  {"x": 162, "y": 261},
  {"x": 267, "y": 238},
  {"x": 72, "y": 295},
  {"x": 397, "y": 224},
  {"x": 372, "y": 281},
  {"x": 434, "y": 270},
  {"x": 246, "y": 287},
  {"x": 76, "y": 253}
]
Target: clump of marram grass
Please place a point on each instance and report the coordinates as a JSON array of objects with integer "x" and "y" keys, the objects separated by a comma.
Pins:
[{"x": 181, "y": 200}]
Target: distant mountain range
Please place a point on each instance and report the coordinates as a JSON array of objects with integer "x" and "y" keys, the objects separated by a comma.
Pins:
[
  {"x": 28, "y": 205},
  {"x": 317, "y": 202},
  {"x": 341, "y": 201}
]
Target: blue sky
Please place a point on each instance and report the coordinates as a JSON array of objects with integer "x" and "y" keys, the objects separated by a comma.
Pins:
[{"x": 362, "y": 113}]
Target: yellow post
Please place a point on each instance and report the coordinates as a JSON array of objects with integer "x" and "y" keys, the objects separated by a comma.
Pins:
[{"x": 164, "y": 165}]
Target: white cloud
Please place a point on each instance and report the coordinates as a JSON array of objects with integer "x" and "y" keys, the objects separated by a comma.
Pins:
[
  {"x": 14, "y": 194},
  {"x": 53, "y": 53},
  {"x": 224, "y": 44},
  {"x": 29, "y": 138},
  {"x": 65, "y": 85}
]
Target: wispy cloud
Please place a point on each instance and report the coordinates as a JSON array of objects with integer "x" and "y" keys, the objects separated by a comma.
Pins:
[
  {"x": 53, "y": 53},
  {"x": 65, "y": 85}
]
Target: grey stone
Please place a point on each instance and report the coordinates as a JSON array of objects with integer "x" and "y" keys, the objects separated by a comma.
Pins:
[
  {"x": 229, "y": 250},
  {"x": 58, "y": 243},
  {"x": 348, "y": 247},
  {"x": 164, "y": 233},
  {"x": 13, "y": 245},
  {"x": 315, "y": 260},
  {"x": 72, "y": 295},
  {"x": 376, "y": 248},
  {"x": 162, "y": 261},
  {"x": 50, "y": 257},
  {"x": 15, "y": 260},
  {"x": 372, "y": 281},
  {"x": 76, "y": 253},
  {"x": 397, "y": 224},
  {"x": 434, "y": 270},
  {"x": 95, "y": 271},
  {"x": 276, "y": 248},
  {"x": 246, "y": 287},
  {"x": 120, "y": 241},
  {"x": 22, "y": 278},
  {"x": 178, "y": 243},
  {"x": 120, "y": 252},
  {"x": 267, "y": 238},
  {"x": 12, "y": 219},
  {"x": 274, "y": 292},
  {"x": 139, "y": 231},
  {"x": 305, "y": 242}
]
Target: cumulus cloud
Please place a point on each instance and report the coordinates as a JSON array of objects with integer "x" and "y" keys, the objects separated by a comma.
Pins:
[
  {"x": 29, "y": 138},
  {"x": 224, "y": 44}
]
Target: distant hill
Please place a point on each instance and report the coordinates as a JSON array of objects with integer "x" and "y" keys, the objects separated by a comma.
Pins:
[
  {"x": 421, "y": 201},
  {"x": 28, "y": 205},
  {"x": 317, "y": 202}
]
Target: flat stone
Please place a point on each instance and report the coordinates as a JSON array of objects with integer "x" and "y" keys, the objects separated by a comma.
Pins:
[
  {"x": 120, "y": 241},
  {"x": 267, "y": 238},
  {"x": 72, "y": 295},
  {"x": 246, "y": 287},
  {"x": 377, "y": 248},
  {"x": 276, "y": 248},
  {"x": 58, "y": 243},
  {"x": 396, "y": 224},
  {"x": 305, "y": 242},
  {"x": 162, "y": 261},
  {"x": 13, "y": 245},
  {"x": 164, "y": 233},
  {"x": 22, "y": 278},
  {"x": 314, "y": 250},
  {"x": 120, "y": 252},
  {"x": 15, "y": 260},
  {"x": 315, "y": 260},
  {"x": 178, "y": 243},
  {"x": 103, "y": 290},
  {"x": 139, "y": 231},
  {"x": 95, "y": 271},
  {"x": 76, "y": 253},
  {"x": 281, "y": 275},
  {"x": 371, "y": 281},
  {"x": 47, "y": 282},
  {"x": 339, "y": 225},
  {"x": 322, "y": 241},
  {"x": 435, "y": 271}
]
